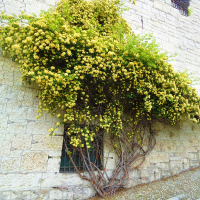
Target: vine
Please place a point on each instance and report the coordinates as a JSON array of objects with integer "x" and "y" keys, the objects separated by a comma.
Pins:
[{"x": 110, "y": 83}]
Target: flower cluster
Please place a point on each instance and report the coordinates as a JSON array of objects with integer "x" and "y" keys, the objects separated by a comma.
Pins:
[{"x": 78, "y": 56}]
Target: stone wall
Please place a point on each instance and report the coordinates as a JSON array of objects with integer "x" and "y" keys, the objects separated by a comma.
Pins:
[
  {"x": 177, "y": 149},
  {"x": 174, "y": 32},
  {"x": 29, "y": 161}
]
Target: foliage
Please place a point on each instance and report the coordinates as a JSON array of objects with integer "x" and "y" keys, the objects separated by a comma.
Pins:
[
  {"x": 190, "y": 11},
  {"x": 86, "y": 61}
]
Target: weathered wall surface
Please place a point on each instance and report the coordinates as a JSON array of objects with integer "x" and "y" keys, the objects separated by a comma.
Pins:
[
  {"x": 177, "y": 149},
  {"x": 29, "y": 161},
  {"x": 29, "y": 167},
  {"x": 174, "y": 32}
]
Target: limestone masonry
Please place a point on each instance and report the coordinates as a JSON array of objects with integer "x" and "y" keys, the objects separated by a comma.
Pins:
[{"x": 29, "y": 161}]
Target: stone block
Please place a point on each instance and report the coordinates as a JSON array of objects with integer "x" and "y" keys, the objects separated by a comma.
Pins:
[
  {"x": 83, "y": 193},
  {"x": 3, "y": 120},
  {"x": 55, "y": 194},
  {"x": 36, "y": 194},
  {"x": 144, "y": 173},
  {"x": 14, "y": 105},
  {"x": 3, "y": 103},
  {"x": 159, "y": 146},
  {"x": 179, "y": 146},
  {"x": 11, "y": 9},
  {"x": 189, "y": 147},
  {"x": 175, "y": 158},
  {"x": 16, "y": 195},
  {"x": 176, "y": 166},
  {"x": 6, "y": 90},
  {"x": 171, "y": 18},
  {"x": 157, "y": 175},
  {"x": 169, "y": 47},
  {"x": 111, "y": 162},
  {"x": 41, "y": 142},
  {"x": 17, "y": 115},
  {"x": 151, "y": 177},
  {"x": 29, "y": 102},
  {"x": 10, "y": 164},
  {"x": 193, "y": 156},
  {"x": 50, "y": 180},
  {"x": 33, "y": 1},
  {"x": 16, "y": 153},
  {"x": 5, "y": 195},
  {"x": 194, "y": 163},
  {"x": 190, "y": 138},
  {"x": 169, "y": 146},
  {"x": 51, "y": 2},
  {"x": 17, "y": 127},
  {"x": 147, "y": 7},
  {"x": 8, "y": 80},
  {"x": 14, "y": 2},
  {"x": 38, "y": 127},
  {"x": 168, "y": 2},
  {"x": 68, "y": 195},
  {"x": 43, "y": 197},
  {"x": 164, "y": 166},
  {"x": 146, "y": 163},
  {"x": 36, "y": 7},
  {"x": 34, "y": 161},
  {"x": 134, "y": 174},
  {"x": 20, "y": 181},
  {"x": 165, "y": 173},
  {"x": 54, "y": 153},
  {"x": 159, "y": 157},
  {"x": 32, "y": 113},
  {"x": 158, "y": 5},
  {"x": 53, "y": 165},
  {"x": 2, "y": 134},
  {"x": 5, "y": 148},
  {"x": 22, "y": 141},
  {"x": 132, "y": 183}
]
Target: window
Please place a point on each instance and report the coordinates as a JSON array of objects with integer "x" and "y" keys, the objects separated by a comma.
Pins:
[
  {"x": 95, "y": 155},
  {"x": 181, "y": 5}
]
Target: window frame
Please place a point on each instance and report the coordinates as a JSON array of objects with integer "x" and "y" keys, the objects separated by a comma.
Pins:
[
  {"x": 66, "y": 166},
  {"x": 182, "y": 6}
]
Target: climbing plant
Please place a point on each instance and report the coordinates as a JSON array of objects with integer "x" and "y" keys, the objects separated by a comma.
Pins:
[{"x": 110, "y": 83}]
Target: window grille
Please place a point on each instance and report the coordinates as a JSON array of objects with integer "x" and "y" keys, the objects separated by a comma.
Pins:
[
  {"x": 95, "y": 155},
  {"x": 181, "y": 5}
]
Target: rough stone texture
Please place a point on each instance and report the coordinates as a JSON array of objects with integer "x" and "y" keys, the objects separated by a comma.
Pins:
[
  {"x": 29, "y": 162},
  {"x": 34, "y": 161},
  {"x": 44, "y": 143}
]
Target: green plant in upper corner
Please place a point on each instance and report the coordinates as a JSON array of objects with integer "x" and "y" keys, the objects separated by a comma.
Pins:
[{"x": 190, "y": 11}]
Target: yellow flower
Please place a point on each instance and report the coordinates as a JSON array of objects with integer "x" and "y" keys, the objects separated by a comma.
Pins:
[
  {"x": 50, "y": 130},
  {"x": 58, "y": 123},
  {"x": 63, "y": 54},
  {"x": 47, "y": 135},
  {"x": 58, "y": 115},
  {"x": 15, "y": 46}
]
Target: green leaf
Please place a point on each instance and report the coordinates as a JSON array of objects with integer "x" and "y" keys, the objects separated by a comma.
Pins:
[{"x": 69, "y": 153}]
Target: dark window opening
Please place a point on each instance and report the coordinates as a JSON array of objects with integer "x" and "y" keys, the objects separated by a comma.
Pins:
[
  {"x": 181, "y": 5},
  {"x": 95, "y": 156}
]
